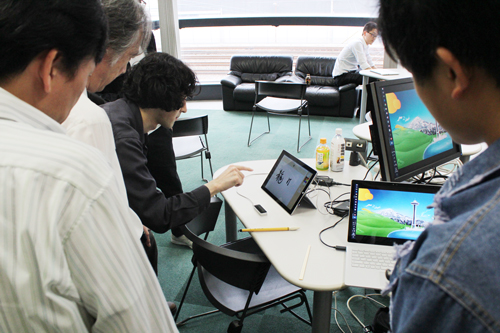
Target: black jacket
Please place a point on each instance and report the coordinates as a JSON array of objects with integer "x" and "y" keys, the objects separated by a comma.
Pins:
[{"x": 155, "y": 211}]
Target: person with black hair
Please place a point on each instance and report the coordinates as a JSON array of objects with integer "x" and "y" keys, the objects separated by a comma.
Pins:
[
  {"x": 355, "y": 55},
  {"x": 446, "y": 281},
  {"x": 155, "y": 92},
  {"x": 59, "y": 198}
]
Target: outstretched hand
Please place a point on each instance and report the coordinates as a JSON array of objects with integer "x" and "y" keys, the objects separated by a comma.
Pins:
[{"x": 232, "y": 176}]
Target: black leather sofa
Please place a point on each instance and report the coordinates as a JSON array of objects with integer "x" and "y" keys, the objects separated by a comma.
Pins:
[
  {"x": 238, "y": 87},
  {"x": 324, "y": 99}
]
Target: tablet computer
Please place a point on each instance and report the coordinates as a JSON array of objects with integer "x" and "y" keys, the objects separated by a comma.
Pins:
[{"x": 288, "y": 181}]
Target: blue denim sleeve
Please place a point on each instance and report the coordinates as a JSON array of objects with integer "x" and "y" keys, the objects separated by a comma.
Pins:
[{"x": 419, "y": 305}]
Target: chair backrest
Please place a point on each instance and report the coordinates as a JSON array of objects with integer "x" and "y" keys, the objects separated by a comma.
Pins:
[
  {"x": 320, "y": 69},
  {"x": 253, "y": 68},
  {"x": 206, "y": 220},
  {"x": 191, "y": 126},
  {"x": 280, "y": 89},
  {"x": 234, "y": 263}
]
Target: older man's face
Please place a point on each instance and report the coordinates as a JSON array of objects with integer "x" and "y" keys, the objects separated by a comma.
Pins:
[{"x": 106, "y": 71}]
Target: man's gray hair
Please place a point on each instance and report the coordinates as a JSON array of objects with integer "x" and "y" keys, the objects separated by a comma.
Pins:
[{"x": 127, "y": 22}]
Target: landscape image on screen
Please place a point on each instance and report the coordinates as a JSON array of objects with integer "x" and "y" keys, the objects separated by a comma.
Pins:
[
  {"x": 393, "y": 214},
  {"x": 416, "y": 134}
]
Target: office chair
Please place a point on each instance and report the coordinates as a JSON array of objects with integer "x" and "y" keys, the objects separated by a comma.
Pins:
[
  {"x": 188, "y": 142},
  {"x": 239, "y": 280},
  {"x": 281, "y": 98},
  {"x": 202, "y": 224}
]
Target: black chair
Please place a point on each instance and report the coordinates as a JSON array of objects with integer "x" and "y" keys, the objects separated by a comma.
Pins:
[
  {"x": 238, "y": 279},
  {"x": 281, "y": 98},
  {"x": 190, "y": 140}
]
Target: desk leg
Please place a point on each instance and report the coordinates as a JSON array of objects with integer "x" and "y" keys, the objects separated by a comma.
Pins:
[
  {"x": 322, "y": 311},
  {"x": 230, "y": 223},
  {"x": 362, "y": 108}
]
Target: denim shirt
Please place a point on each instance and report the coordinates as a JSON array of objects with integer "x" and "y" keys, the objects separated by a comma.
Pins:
[{"x": 448, "y": 280}]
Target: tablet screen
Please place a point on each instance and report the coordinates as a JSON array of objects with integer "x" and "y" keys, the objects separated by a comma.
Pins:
[{"x": 288, "y": 181}]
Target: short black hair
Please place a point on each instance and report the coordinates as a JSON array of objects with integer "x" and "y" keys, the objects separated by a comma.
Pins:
[
  {"x": 413, "y": 30},
  {"x": 159, "y": 81},
  {"x": 370, "y": 26},
  {"x": 78, "y": 29}
]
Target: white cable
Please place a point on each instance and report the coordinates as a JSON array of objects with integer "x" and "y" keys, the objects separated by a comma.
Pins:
[
  {"x": 249, "y": 175},
  {"x": 337, "y": 310},
  {"x": 369, "y": 296}
]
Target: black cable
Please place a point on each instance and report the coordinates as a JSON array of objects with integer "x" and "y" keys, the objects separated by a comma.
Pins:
[
  {"x": 367, "y": 172},
  {"x": 337, "y": 247}
]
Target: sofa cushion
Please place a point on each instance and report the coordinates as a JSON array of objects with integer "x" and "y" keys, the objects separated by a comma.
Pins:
[
  {"x": 245, "y": 92},
  {"x": 322, "y": 96},
  {"x": 252, "y": 77}
]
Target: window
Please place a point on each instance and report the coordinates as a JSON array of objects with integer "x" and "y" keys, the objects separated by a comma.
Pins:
[{"x": 208, "y": 49}]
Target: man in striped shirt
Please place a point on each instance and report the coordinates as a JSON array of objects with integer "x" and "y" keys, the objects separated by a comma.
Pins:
[{"x": 69, "y": 260}]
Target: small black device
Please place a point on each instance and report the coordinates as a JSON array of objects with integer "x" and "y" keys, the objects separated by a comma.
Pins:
[
  {"x": 324, "y": 181},
  {"x": 260, "y": 209},
  {"x": 342, "y": 209},
  {"x": 356, "y": 147}
]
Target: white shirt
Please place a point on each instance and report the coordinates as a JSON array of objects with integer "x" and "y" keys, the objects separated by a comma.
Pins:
[
  {"x": 89, "y": 123},
  {"x": 68, "y": 260},
  {"x": 353, "y": 54}
]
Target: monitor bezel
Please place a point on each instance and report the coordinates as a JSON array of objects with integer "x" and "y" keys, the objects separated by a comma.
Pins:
[{"x": 381, "y": 144}]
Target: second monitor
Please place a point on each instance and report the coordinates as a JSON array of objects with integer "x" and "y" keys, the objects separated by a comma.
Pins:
[{"x": 405, "y": 136}]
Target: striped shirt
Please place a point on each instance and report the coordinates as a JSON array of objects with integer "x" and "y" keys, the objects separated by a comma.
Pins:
[{"x": 69, "y": 260}]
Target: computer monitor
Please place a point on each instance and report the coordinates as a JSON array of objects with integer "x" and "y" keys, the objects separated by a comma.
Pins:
[{"x": 405, "y": 136}]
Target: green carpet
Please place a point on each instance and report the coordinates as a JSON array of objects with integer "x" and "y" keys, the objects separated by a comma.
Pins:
[{"x": 227, "y": 138}]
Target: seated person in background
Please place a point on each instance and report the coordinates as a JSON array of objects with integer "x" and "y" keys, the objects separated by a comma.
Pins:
[
  {"x": 355, "y": 54},
  {"x": 447, "y": 280},
  {"x": 155, "y": 93},
  {"x": 69, "y": 261}
]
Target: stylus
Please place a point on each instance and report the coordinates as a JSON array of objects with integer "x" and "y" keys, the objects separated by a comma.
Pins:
[
  {"x": 304, "y": 265},
  {"x": 270, "y": 229}
]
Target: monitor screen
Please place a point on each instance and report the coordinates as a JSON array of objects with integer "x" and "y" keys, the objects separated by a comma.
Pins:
[
  {"x": 385, "y": 213},
  {"x": 288, "y": 181},
  {"x": 405, "y": 136}
]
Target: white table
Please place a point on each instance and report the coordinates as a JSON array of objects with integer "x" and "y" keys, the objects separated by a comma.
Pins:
[
  {"x": 403, "y": 73},
  {"x": 286, "y": 250},
  {"x": 362, "y": 131}
]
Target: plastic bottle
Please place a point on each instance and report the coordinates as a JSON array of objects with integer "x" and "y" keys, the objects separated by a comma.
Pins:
[
  {"x": 308, "y": 79},
  {"x": 337, "y": 150},
  {"x": 322, "y": 155}
]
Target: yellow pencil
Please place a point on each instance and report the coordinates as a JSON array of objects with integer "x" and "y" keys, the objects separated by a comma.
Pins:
[{"x": 270, "y": 229}]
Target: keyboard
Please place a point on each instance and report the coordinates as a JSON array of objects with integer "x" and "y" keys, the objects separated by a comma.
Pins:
[{"x": 372, "y": 259}]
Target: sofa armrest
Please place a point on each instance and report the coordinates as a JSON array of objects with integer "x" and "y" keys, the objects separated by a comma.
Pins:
[
  {"x": 347, "y": 87},
  {"x": 231, "y": 81}
]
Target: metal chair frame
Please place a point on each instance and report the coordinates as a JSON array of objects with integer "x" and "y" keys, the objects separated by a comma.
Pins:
[
  {"x": 195, "y": 126},
  {"x": 269, "y": 94},
  {"x": 244, "y": 256}
]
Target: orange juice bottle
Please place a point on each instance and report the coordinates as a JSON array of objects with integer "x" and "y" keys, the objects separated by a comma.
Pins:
[{"x": 322, "y": 155}]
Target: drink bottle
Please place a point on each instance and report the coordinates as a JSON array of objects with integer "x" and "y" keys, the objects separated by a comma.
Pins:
[
  {"x": 337, "y": 150},
  {"x": 322, "y": 155}
]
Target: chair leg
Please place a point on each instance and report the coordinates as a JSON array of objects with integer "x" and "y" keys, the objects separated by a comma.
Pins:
[
  {"x": 185, "y": 293},
  {"x": 251, "y": 124},
  {"x": 202, "y": 176},
  {"x": 299, "y": 147}
]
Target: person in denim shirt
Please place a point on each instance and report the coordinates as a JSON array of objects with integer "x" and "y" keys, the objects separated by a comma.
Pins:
[{"x": 448, "y": 280}]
